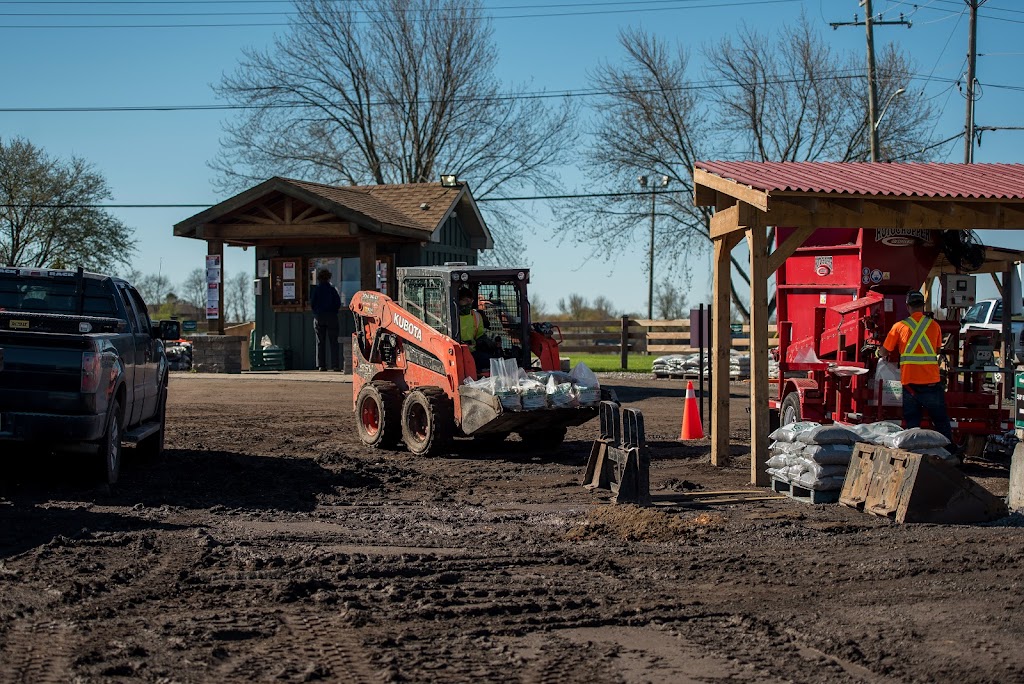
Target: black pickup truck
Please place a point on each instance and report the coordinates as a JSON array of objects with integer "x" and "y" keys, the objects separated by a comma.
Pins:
[{"x": 83, "y": 366}]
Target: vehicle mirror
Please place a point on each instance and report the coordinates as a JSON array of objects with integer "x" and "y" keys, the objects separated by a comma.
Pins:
[{"x": 170, "y": 330}]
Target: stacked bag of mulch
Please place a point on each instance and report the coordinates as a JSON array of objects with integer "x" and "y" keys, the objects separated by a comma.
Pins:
[
  {"x": 915, "y": 440},
  {"x": 666, "y": 365},
  {"x": 816, "y": 456},
  {"x": 739, "y": 364},
  {"x": 811, "y": 455}
]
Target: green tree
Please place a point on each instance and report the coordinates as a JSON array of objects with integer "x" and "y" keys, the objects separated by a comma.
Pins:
[
  {"x": 48, "y": 213},
  {"x": 392, "y": 91}
]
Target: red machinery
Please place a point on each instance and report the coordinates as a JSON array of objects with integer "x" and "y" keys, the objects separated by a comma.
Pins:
[{"x": 837, "y": 298}]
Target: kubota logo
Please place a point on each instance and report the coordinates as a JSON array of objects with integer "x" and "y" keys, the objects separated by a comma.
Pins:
[{"x": 408, "y": 327}]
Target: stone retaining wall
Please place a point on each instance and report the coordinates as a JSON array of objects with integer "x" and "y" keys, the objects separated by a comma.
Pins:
[{"x": 218, "y": 353}]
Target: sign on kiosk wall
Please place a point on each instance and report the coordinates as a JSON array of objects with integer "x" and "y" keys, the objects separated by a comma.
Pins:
[{"x": 213, "y": 281}]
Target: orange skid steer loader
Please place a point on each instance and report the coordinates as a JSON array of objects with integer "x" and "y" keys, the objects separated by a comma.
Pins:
[{"x": 410, "y": 364}]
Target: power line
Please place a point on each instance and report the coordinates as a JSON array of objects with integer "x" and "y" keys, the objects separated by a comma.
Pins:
[
  {"x": 585, "y": 12},
  {"x": 584, "y": 92}
]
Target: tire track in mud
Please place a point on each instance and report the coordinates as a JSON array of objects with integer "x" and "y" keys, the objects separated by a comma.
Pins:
[
  {"x": 37, "y": 653},
  {"x": 330, "y": 645}
]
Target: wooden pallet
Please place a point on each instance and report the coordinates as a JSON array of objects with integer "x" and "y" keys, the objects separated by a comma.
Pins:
[{"x": 811, "y": 496}]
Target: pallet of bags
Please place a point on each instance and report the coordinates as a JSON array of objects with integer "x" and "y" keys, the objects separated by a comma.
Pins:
[{"x": 810, "y": 456}]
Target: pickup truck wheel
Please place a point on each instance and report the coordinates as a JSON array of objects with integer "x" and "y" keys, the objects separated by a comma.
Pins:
[
  {"x": 379, "y": 414},
  {"x": 110, "y": 444},
  {"x": 543, "y": 440},
  {"x": 152, "y": 447},
  {"x": 427, "y": 421}
]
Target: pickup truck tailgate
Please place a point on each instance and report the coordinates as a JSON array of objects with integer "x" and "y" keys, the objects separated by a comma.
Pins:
[{"x": 42, "y": 373}]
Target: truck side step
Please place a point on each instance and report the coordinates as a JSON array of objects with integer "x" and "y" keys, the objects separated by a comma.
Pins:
[{"x": 137, "y": 434}]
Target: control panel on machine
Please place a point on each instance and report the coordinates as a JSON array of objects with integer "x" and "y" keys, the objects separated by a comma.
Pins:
[{"x": 958, "y": 290}]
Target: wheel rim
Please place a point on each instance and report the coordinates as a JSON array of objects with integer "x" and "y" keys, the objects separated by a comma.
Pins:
[
  {"x": 419, "y": 426},
  {"x": 370, "y": 416},
  {"x": 789, "y": 415}
]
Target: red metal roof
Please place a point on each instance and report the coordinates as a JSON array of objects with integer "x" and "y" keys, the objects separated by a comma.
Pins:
[{"x": 946, "y": 181}]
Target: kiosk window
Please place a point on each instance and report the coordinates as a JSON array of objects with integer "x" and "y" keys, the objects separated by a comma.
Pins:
[{"x": 287, "y": 284}]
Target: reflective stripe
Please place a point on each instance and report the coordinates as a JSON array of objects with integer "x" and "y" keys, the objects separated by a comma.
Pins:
[{"x": 919, "y": 350}]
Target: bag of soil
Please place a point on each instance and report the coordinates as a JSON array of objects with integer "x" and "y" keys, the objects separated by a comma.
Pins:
[
  {"x": 788, "y": 433},
  {"x": 915, "y": 439},
  {"x": 828, "y": 454},
  {"x": 533, "y": 395},
  {"x": 560, "y": 394},
  {"x": 827, "y": 434},
  {"x": 874, "y": 433}
]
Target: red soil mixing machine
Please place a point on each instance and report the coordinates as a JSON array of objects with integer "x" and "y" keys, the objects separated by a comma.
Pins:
[{"x": 837, "y": 298}]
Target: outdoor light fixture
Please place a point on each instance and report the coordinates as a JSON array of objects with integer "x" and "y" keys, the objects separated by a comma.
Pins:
[{"x": 449, "y": 180}]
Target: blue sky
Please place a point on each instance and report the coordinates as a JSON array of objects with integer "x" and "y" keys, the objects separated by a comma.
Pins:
[{"x": 151, "y": 157}]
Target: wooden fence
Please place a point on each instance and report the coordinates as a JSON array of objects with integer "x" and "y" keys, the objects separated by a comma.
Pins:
[{"x": 641, "y": 336}]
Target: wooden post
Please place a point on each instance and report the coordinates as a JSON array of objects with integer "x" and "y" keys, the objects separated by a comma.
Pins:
[
  {"x": 757, "y": 241},
  {"x": 720, "y": 346},
  {"x": 216, "y": 325},
  {"x": 1007, "y": 332},
  {"x": 624, "y": 344},
  {"x": 367, "y": 263}
]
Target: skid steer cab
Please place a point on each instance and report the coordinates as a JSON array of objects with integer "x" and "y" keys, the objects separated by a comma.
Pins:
[{"x": 411, "y": 358}]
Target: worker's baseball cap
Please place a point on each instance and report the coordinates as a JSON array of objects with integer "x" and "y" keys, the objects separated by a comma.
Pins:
[
  {"x": 465, "y": 293},
  {"x": 915, "y": 298}
]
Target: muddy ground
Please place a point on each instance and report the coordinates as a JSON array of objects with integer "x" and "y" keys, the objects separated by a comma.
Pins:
[{"x": 269, "y": 545}]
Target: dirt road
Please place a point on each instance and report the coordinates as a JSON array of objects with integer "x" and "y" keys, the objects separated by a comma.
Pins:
[{"x": 269, "y": 545}]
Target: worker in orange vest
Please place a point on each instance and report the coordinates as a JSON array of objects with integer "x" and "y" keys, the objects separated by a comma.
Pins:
[{"x": 917, "y": 339}]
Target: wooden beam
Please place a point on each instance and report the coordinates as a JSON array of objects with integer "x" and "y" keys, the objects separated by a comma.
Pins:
[
  {"x": 735, "y": 218},
  {"x": 909, "y": 215},
  {"x": 744, "y": 193},
  {"x": 216, "y": 325},
  {"x": 786, "y": 249},
  {"x": 757, "y": 241},
  {"x": 271, "y": 215},
  {"x": 367, "y": 263},
  {"x": 703, "y": 196},
  {"x": 287, "y": 210},
  {"x": 720, "y": 346},
  {"x": 242, "y": 231},
  {"x": 305, "y": 213}
]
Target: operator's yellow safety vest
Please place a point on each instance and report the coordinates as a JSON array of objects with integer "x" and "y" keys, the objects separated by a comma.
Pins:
[
  {"x": 471, "y": 326},
  {"x": 919, "y": 350}
]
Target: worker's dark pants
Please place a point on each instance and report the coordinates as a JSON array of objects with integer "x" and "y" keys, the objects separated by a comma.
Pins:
[
  {"x": 327, "y": 331},
  {"x": 932, "y": 399}
]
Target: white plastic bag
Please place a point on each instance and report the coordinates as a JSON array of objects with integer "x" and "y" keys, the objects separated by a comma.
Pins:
[
  {"x": 534, "y": 395},
  {"x": 560, "y": 395},
  {"x": 892, "y": 389},
  {"x": 826, "y": 434},
  {"x": 915, "y": 439},
  {"x": 788, "y": 433}
]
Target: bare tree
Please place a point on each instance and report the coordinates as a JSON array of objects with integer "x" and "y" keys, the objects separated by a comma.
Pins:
[
  {"x": 153, "y": 288},
  {"x": 239, "y": 296},
  {"x": 193, "y": 289},
  {"x": 787, "y": 98},
  {"x": 48, "y": 213},
  {"x": 574, "y": 308},
  {"x": 670, "y": 301},
  {"x": 391, "y": 91}
]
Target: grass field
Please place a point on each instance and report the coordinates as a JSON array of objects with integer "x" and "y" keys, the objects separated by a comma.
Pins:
[{"x": 607, "y": 363}]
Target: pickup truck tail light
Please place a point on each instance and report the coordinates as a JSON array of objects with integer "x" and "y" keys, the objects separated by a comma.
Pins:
[{"x": 91, "y": 367}]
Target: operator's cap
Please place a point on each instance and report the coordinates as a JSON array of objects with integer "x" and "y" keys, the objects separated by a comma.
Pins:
[{"x": 915, "y": 298}]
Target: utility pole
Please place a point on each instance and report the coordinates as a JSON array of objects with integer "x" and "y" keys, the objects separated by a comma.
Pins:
[
  {"x": 972, "y": 55},
  {"x": 655, "y": 182},
  {"x": 869, "y": 22}
]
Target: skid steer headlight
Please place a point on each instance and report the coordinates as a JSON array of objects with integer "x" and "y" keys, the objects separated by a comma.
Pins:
[
  {"x": 521, "y": 275},
  {"x": 465, "y": 277},
  {"x": 455, "y": 276}
]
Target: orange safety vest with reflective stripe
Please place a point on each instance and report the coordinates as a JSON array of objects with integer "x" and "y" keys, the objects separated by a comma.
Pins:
[
  {"x": 471, "y": 326},
  {"x": 917, "y": 338}
]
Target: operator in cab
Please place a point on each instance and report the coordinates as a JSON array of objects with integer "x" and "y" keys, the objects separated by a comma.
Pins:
[
  {"x": 917, "y": 339},
  {"x": 472, "y": 330}
]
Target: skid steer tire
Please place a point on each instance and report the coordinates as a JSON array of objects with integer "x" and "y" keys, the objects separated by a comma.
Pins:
[
  {"x": 379, "y": 414},
  {"x": 548, "y": 439},
  {"x": 427, "y": 421}
]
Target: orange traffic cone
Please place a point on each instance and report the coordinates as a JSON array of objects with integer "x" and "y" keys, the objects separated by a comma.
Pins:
[{"x": 691, "y": 416}]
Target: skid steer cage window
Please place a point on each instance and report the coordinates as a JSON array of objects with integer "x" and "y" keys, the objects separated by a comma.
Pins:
[
  {"x": 425, "y": 299},
  {"x": 503, "y": 312}
]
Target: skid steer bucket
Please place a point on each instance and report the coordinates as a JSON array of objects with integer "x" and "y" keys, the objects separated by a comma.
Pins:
[
  {"x": 908, "y": 488},
  {"x": 619, "y": 461}
]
